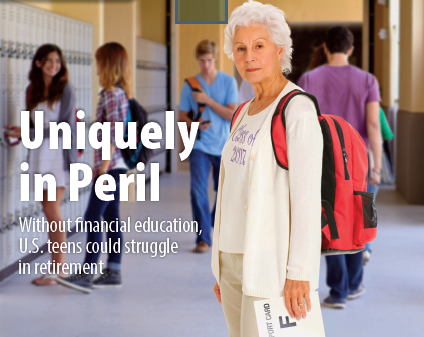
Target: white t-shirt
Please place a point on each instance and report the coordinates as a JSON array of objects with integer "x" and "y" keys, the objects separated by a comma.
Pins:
[
  {"x": 44, "y": 160},
  {"x": 120, "y": 164},
  {"x": 235, "y": 157}
]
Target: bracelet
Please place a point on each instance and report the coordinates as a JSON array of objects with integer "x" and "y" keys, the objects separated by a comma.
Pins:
[{"x": 376, "y": 172}]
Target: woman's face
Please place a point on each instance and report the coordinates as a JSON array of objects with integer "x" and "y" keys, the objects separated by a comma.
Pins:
[
  {"x": 52, "y": 65},
  {"x": 255, "y": 55},
  {"x": 206, "y": 63}
]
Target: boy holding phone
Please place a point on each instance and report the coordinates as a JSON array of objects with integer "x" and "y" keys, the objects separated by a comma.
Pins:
[{"x": 218, "y": 99}]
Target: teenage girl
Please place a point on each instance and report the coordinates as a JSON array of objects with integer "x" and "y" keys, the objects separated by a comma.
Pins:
[
  {"x": 50, "y": 91},
  {"x": 114, "y": 74}
]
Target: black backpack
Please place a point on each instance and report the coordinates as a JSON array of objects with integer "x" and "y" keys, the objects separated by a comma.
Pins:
[{"x": 132, "y": 157}]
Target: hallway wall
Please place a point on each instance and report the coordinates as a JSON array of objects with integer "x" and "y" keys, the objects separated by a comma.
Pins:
[
  {"x": 382, "y": 56},
  {"x": 151, "y": 20},
  {"x": 91, "y": 12},
  {"x": 46, "y": 4},
  {"x": 120, "y": 26},
  {"x": 410, "y": 135},
  {"x": 301, "y": 11}
]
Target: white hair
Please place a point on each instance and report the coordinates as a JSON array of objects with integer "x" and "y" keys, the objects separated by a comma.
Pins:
[{"x": 271, "y": 18}]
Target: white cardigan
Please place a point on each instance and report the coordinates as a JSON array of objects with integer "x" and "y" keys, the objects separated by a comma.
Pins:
[{"x": 283, "y": 229}]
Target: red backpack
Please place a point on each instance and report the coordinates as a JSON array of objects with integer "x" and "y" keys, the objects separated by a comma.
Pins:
[{"x": 349, "y": 217}]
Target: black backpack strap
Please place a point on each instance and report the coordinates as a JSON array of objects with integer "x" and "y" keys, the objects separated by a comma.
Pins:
[
  {"x": 331, "y": 220},
  {"x": 297, "y": 93}
]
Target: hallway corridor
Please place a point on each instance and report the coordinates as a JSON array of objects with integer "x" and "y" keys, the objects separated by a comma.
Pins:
[{"x": 172, "y": 296}]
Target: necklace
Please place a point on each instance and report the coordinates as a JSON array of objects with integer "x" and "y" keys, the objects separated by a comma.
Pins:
[{"x": 263, "y": 100}]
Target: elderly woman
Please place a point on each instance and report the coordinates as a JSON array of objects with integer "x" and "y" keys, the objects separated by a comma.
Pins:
[{"x": 267, "y": 234}]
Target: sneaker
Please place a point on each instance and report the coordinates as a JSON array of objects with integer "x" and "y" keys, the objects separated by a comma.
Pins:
[
  {"x": 366, "y": 257},
  {"x": 202, "y": 247},
  {"x": 81, "y": 282},
  {"x": 333, "y": 302},
  {"x": 356, "y": 293},
  {"x": 111, "y": 278}
]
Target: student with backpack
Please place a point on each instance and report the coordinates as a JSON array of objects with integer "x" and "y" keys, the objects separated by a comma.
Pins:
[
  {"x": 114, "y": 73},
  {"x": 209, "y": 98},
  {"x": 50, "y": 91},
  {"x": 351, "y": 93}
]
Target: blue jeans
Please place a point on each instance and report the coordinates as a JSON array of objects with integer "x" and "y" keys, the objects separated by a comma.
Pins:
[
  {"x": 97, "y": 208},
  {"x": 200, "y": 167},
  {"x": 345, "y": 272}
]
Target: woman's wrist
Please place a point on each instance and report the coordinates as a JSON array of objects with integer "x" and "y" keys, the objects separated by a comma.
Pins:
[{"x": 376, "y": 171}]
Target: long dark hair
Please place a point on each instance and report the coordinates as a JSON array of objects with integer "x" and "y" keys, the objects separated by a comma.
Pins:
[
  {"x": 36, "y": 89},
  {"x": 318, "y": 57}
]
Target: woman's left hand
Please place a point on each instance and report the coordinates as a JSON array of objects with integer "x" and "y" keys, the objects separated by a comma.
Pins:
[
  {"x": 217, "y": 291},
  {"x": 295, "y": 294}
]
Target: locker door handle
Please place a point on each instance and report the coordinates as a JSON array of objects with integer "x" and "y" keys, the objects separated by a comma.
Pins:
[{"x": 11, "y": 48}]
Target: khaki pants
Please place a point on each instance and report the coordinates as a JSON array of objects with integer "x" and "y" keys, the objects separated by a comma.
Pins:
[{"x": 238, "y": 308}]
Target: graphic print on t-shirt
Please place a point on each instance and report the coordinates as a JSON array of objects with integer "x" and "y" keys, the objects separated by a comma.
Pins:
[{"x": 243, "y": 140}]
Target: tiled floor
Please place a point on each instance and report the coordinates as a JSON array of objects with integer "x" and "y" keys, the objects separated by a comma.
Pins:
[{"x": 172, "y": 296}]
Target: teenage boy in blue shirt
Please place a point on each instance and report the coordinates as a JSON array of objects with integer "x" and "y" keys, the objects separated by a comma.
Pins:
[{"x": 220, "y": 96}]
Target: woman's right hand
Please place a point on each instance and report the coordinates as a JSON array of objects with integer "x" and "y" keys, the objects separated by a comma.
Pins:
[
  {"x": 217, "y": 291},
  {"x": 13, "y": 131}
]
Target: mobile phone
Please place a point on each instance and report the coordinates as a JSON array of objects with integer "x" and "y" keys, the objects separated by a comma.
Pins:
[
  {"x": 205, "y": 122},
  {"x": 11, "y": 140}
]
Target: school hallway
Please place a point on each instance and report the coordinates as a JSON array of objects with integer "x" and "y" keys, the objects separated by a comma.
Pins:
[{"x": 172, "y": 296}]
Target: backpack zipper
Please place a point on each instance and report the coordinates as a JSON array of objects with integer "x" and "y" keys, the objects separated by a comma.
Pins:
[{"x": 342, "y": 144}]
